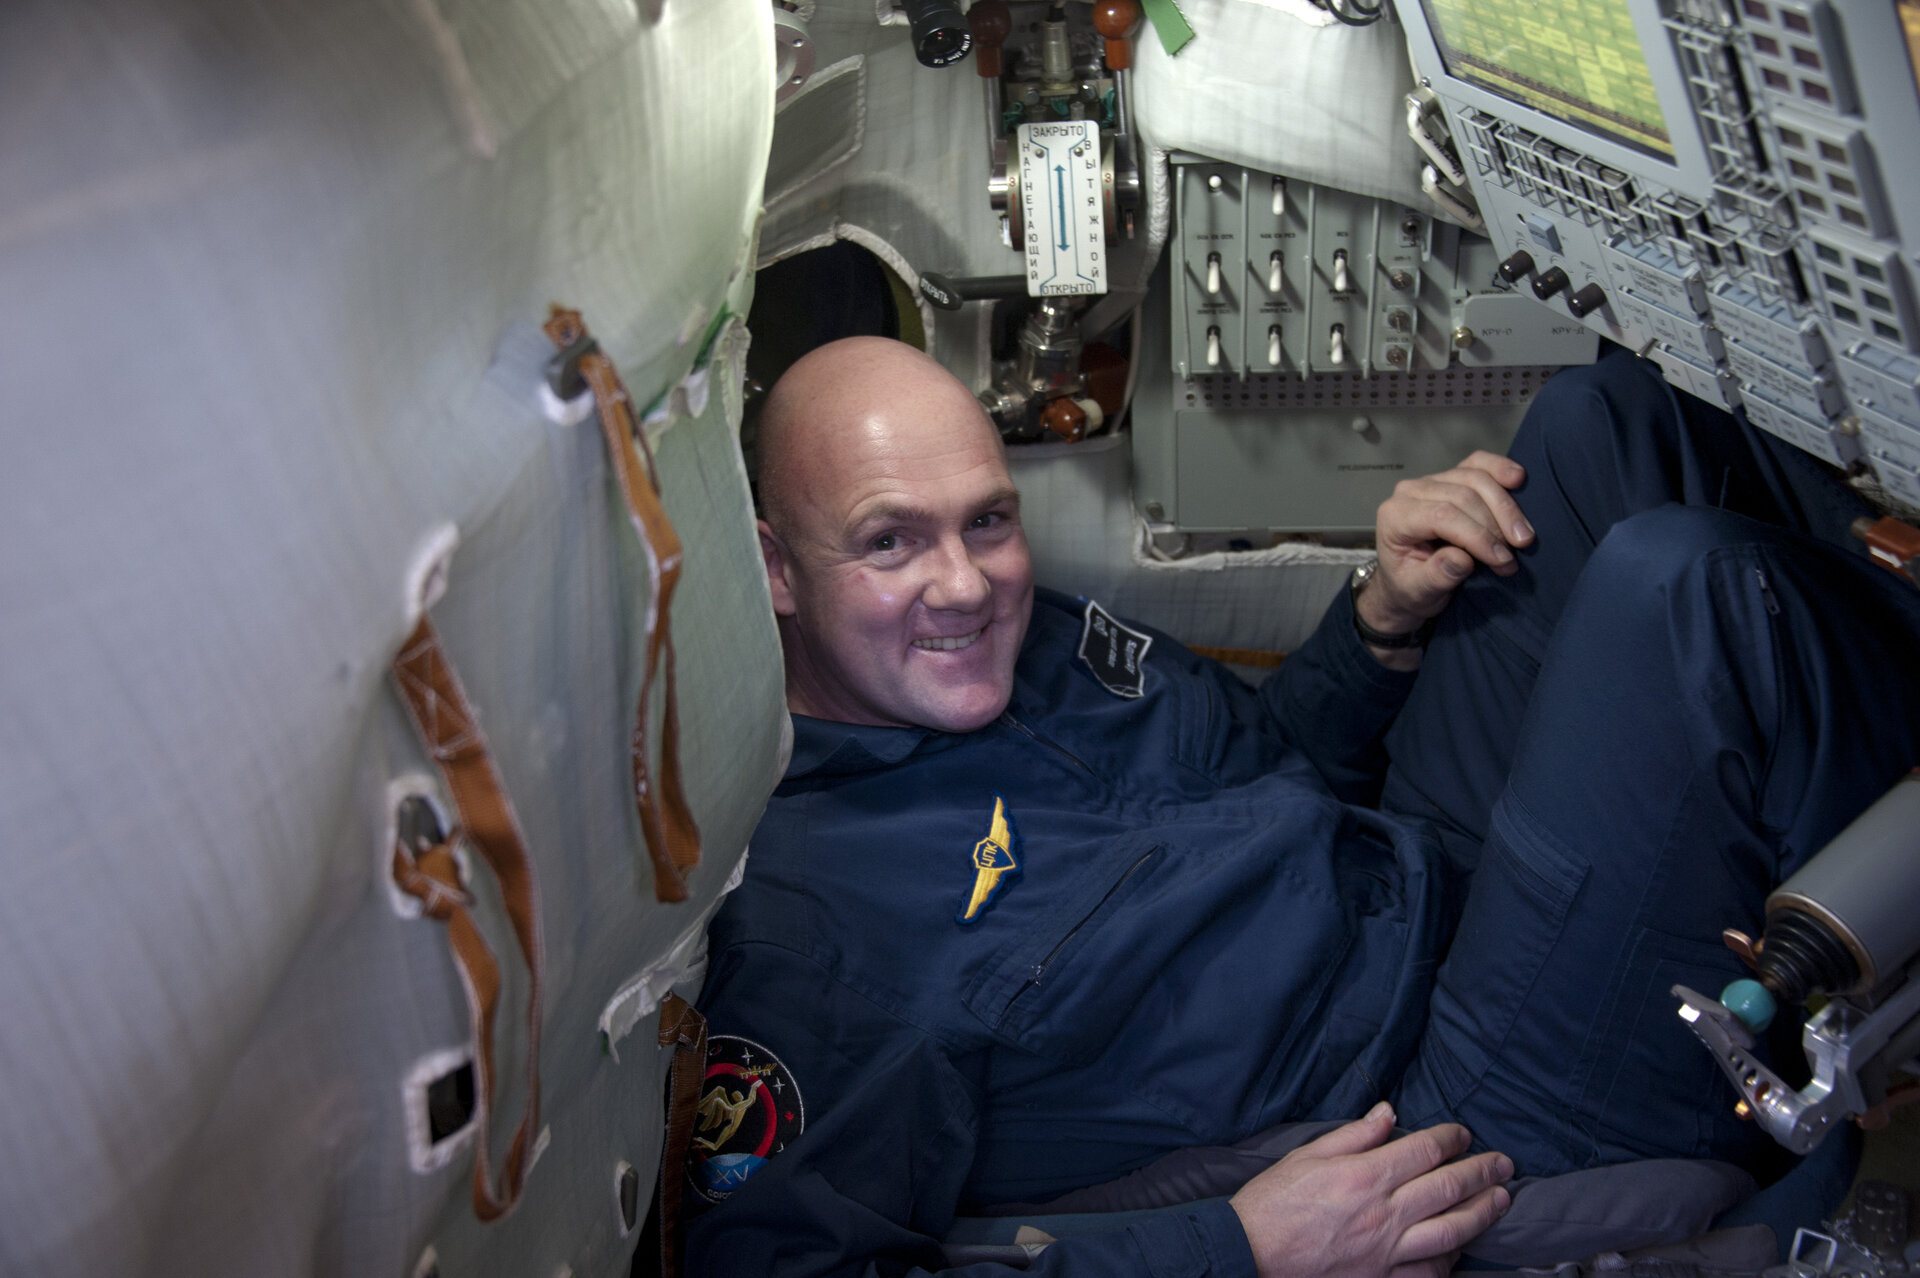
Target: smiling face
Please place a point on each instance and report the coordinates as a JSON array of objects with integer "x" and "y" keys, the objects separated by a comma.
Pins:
[{"x": 893, "y": 546}]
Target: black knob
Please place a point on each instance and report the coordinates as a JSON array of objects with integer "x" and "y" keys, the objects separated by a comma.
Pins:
[
  {"x": 1517, "y": 267},
  {"x": 1588, "y": 300},
  {"x": 950, "y": 293},
  {"x": 940, "y": 32},
  {"x": 1551, "y": 281}
]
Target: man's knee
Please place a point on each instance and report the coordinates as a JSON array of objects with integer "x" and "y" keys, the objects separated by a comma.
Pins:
[
  {"x": 1577, "y": 418},
  {"x": 1671, "y": 558}
]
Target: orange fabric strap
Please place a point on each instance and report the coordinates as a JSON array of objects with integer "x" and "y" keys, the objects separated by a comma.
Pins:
[
  {"x": 1259, "y": 658},
  {"x": 685, "y": 1030},
  {"x": 452, "y": 736},
  {"x": 666, "y": 821}
]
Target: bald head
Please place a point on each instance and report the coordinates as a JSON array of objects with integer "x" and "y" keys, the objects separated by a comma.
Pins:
[
  {"x": 891, "y": 534},
  {"x": 834, "y": 400}
]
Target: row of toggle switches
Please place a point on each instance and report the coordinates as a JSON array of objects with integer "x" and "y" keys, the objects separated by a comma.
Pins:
[
  {"x": 1341, "y": 273},
  {"x": 1336, "y": 347}
]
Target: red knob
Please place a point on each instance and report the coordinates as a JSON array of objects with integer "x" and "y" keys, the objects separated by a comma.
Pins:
[
  {"x": 1066, "y": 419},
  {"x": 991, "y": 23},
  {"x": 1116, "y": 19}
]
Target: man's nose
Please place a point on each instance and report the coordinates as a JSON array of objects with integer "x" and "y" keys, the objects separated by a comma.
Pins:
[{"x": 957, "y": 581}]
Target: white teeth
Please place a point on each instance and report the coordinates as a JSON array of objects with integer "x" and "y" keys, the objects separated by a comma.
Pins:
[{"x": 948, "y": 645}]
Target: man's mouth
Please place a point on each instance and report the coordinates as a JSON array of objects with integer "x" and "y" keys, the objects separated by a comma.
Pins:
[{"x": 948, "y": 645}]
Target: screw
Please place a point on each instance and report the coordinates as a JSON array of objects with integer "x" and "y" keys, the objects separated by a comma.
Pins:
[{"x": 1462, "y": 338}]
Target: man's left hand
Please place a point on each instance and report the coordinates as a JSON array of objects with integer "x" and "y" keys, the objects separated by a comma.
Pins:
[{"x": 1431, "y": 533}]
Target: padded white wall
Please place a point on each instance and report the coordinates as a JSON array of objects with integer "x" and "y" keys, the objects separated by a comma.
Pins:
[{"x": 270, "y": 281}]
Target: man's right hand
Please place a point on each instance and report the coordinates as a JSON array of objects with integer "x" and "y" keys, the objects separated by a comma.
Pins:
[{"x": 1353, "y": 1205}]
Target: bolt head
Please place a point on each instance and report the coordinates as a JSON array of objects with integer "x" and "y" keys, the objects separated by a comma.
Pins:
[{"x": 1462, "y": 338}]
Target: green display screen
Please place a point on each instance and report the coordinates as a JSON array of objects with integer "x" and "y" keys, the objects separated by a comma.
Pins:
[
  {"x": 1575, "y": 60},
  {"x": 1910, "y": 22}
]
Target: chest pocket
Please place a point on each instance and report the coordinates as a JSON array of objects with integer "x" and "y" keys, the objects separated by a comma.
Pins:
[{"x": 1061, "y": 989}]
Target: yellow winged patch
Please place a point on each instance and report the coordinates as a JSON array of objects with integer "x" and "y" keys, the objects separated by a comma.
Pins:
[{"x": 993, "y": 862}]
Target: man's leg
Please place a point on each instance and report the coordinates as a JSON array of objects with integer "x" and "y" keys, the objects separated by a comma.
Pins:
[
  {"x": 1599, "y": 444},
  {"x": 1719, "y": 699}
]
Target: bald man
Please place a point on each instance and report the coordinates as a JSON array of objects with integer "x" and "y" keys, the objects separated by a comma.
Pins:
[{"x": 1044, "y": 897}]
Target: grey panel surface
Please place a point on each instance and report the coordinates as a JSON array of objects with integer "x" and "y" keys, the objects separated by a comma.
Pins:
[{"x": 268, "y": 285}]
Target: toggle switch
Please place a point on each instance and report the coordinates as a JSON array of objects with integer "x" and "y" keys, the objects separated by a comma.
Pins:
[
  {"x": 1273, "y": 346},
  {"x": 1549, "y": 282},
  {"x": 1337, "y": 346},
  {"x": 1342, "y": 279},
  {"x": 1279, "y": 197},
  {"x": 1213, "y": 273},
  {"x": 1588, "y": 300},
  {"x": 1213, "y": 346},
  {"x": 1274, "y": 280},
  {"x": 1517, "y": 267}
]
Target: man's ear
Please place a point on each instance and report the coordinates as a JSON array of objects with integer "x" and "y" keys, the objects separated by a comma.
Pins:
[{"x": 779, "y": 569}]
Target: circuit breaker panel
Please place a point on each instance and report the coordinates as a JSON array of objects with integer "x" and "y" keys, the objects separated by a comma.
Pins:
[{"x": 1323, "y": 345}]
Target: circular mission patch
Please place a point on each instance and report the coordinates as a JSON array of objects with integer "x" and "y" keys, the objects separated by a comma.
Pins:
[{"x": 749, "y": 1109}]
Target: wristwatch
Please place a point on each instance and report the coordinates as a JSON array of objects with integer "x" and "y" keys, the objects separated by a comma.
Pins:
[{"x": 1415, "y": 638}]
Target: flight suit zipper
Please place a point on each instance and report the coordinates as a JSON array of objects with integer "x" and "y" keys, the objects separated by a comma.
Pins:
[
  {"x": 1040, "y": 968},
  {"x": 1007, "y": 718}
]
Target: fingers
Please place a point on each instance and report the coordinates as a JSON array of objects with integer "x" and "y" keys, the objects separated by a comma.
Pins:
[
  {"x": 1451, "y": 1230},
  {"x": 1418, "y": 1153},
  {"x": 1357, "y": 1137},
  {"x": 1456, "y": 1182}
]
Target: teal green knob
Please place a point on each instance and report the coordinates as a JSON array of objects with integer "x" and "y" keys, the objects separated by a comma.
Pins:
[{"x": 1751, "y": 1002}]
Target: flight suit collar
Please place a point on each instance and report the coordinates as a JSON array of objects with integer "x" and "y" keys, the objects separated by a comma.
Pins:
[{"x": 826, "y": 748}]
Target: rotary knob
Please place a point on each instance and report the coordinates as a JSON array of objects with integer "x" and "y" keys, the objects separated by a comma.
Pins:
[
  {"x": 1549, "y": 282},
  {"x": 1517, "y": 267},
  {"x": 1588, "y": 300}
]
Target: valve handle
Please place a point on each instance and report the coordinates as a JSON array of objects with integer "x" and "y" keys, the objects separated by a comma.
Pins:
[
  {"x": 991, "y": 22},
  {"x": 1116, "y": 19}
]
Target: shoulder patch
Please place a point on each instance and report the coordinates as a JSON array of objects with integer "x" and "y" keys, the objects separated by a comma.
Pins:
[
  {"x": 749, "y": 1110},
  {"x": 1115, "y": 653}
]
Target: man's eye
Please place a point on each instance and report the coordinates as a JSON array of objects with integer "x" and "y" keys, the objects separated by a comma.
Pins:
[
  {"x": 885, "y": 542},
  {"x": 987, "y": 520}
]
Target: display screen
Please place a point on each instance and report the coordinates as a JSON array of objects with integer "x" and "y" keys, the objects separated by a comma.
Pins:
[
  {"x": 1910, "y": 19},
  {"x": 1575, "y": 60}
]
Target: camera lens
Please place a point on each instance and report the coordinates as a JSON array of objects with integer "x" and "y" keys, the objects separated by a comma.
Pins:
[{"x": 940, "y": 32}]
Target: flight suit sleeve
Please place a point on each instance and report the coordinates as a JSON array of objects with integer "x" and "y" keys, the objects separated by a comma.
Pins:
[
  {"x": 1334, "y": 702},
  {"x": 855, "y": 1163}
]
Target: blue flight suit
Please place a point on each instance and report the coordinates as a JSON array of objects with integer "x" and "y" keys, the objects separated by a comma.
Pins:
[{"x": 1191, "y": 924}]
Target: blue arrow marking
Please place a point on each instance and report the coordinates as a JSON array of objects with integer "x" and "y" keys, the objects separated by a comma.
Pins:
[{"x": 1060, "y": 181}]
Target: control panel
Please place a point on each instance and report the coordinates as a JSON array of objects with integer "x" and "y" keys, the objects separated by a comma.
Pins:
[
  {"x": 1719, "y": 185},
  {"x": 1323, "y": 345}
]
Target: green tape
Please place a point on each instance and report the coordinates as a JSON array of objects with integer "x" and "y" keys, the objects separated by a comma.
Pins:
[{"x": 1169, "y": 24}]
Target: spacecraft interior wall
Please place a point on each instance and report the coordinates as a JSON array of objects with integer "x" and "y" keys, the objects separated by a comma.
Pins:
[{"x": 271, "y": 281}]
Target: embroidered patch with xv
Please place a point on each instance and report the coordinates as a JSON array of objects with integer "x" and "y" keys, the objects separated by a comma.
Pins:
[
  {"x": 1115, "y": 653},
  {"x": 749, "y": 1110},
  {"x": 994, "y": 862}
]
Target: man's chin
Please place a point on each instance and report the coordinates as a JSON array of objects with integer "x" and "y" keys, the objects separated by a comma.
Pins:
[{"x": 965, "y": 713}]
